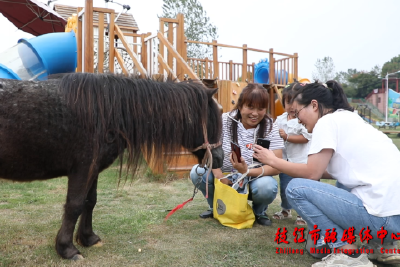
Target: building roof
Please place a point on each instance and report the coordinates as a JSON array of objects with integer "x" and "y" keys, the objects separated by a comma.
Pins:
[{"x": 125, "y": 20}]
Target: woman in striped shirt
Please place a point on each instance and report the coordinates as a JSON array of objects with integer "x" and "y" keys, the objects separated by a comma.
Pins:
[{"x": 243, "y": 125}]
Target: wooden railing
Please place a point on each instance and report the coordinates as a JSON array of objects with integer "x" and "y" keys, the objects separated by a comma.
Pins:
[
  {"x": 280, "y": 70},
  {"x": 204, "y": 69},
  {"x": 165, "y": 53}
]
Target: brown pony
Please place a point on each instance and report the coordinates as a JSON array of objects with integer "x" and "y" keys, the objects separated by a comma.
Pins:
[{"x": 78, "y": 125}]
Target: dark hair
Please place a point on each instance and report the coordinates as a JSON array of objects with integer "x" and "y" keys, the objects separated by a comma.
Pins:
[
  {"x": 289, "y": 92},
  {"x": 253, "y": 95},
  {"x": 329, "y": 96}
]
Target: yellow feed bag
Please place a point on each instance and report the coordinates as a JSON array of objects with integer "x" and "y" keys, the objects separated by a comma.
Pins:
[{"x": 231, "y": 208}]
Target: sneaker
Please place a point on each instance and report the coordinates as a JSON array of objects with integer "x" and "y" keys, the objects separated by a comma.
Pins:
[
  {"x": 207, "y": 214},
  {"x": 342, "y": 260},
  {"x": 315, "y": 251},
  {"x": 263, "y": 220},
  {"x": 388, "y": 257}
]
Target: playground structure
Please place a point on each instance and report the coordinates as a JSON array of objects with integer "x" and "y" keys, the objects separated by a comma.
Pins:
[{"x": 105, "y": 46}]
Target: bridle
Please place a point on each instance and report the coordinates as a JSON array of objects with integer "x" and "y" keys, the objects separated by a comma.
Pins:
[
  {"x": 207, "y": 159},
  {"x": 205, "y": 163}
]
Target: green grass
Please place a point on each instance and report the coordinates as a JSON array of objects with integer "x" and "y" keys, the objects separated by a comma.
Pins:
[
  {"x": 130, "y": 218},
  {"x": 394, "y": 136}
]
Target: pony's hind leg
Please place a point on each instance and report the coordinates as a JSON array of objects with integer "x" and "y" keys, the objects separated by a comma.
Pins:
[
  {"x": 77, "y": 191},
  {"x": 85, "y": 235}
]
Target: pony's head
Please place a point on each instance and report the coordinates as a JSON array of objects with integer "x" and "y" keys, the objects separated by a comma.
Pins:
[{"x": 209, "y": 131}]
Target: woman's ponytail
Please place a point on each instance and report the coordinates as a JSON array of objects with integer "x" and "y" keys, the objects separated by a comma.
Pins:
[{"x": 339, "y": 100}]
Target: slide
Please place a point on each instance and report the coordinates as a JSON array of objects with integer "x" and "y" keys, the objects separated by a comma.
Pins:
[{"x": 36, "y": 58}]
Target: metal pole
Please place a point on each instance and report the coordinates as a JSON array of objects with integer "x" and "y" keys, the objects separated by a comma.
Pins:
[{"x": 387, "y": 95}]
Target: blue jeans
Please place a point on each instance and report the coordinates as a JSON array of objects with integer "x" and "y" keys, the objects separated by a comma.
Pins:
[
  {"x": 341, "y": 186},
  {"x": 330, "y": 207},
  {"x": 284, "y": 180},
  {"x": 262, "y": 190}
]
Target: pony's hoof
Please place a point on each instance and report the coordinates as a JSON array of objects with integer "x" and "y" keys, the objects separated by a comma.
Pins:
[
  {"x": 77, "y": 257},
  {"x": 98, "y": 244}
]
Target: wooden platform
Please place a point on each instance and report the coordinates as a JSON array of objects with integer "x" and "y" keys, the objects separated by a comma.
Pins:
[
  {"x": 185, "y": 162},
  {"x": 391, "y": 132}
]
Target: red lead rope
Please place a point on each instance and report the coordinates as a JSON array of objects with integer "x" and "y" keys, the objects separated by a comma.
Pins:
[
  {"x": 177, "y": 208},
  {"x": 207, "y": 156},
  {"x": 207, "y": 159}
]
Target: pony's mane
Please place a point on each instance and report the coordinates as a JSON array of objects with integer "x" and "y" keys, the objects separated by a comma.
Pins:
[{"x": 138, "y": 114}]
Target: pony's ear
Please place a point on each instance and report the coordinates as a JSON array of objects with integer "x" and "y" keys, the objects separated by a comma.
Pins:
[{"x": 211, "y": 92}]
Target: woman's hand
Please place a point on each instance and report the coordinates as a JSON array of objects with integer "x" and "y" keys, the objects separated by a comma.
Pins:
[
  {"x": 240, "y": 167},
  {"x": 218, "y": 174},
  {"x": 283, "y": 134},
  {"x": 226, "y": 181},
  {"x": 263, "y": 155}
]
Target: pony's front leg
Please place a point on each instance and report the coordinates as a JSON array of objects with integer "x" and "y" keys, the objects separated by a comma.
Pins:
[
  {"x": 85, "y": 235},
  {"x": 77, "y": 191}
]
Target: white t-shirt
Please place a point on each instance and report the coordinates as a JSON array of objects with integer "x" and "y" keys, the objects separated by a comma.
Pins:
[
  {"x": 297, "y": 153},
  {"x": 364, "y": 159},
  {"x": 246, "y": 139}
]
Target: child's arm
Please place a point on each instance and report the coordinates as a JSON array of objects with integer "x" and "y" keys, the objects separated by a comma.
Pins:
[{"x": 296, "y": 139}]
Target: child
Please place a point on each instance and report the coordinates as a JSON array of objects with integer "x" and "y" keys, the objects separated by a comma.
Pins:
[{"x": 296, "y": 140}]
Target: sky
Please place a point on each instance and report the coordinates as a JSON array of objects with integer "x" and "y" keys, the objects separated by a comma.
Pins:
[{"x": 356, "y": 34}]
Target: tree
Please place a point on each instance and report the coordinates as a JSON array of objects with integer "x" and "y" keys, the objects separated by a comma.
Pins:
[
  {"x": 325, "y": 69},
  {"x": 365, "y": 82},
  {"x": 391, "y": 66},
  {"x": 197, "y": 25},
  {"x": 343, "y": 78}
]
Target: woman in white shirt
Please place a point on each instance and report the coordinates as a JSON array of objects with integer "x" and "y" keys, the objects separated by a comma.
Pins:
[
  {"x": 297, "y": 140},
  {"x": 346, "y": 148}
]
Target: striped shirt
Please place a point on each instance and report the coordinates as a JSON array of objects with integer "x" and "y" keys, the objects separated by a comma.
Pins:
[{"x": 246, "y": 140}]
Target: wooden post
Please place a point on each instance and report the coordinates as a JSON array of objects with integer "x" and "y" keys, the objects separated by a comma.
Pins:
[
  {"x": 89, "y": 44},
  {"x": 184, "y": 48},
  {"x": 135, "y": 46},
  {"x": 253, "y": 65},
  {"x": 111, "y": 37},
  {"x": 271, "y": 66},
  {"x": 171, "y": 40},
  {"x": 215, "y": 59},
  {"x": 244, "y": 66},
  {"x": 271, "y": 102},
  {"x": 180, "y": 33},
  {"x": 100, "y": 44},
  {"x": 79, "y": 41},
  {"x": 296, "y": 62},
  {"x": 288, "y": 70},
  {"x": 161, "y": 47},
  {"x": 206, "y": 68},
  {"x": 143, "y": 53},
  {"x": 230, "y": 70}
]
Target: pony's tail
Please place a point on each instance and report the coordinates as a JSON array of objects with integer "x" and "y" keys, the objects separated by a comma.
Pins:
[{"x": 339, "y": 97}]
